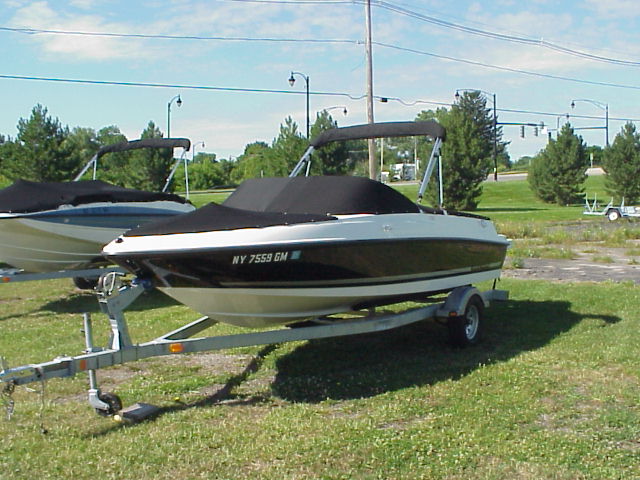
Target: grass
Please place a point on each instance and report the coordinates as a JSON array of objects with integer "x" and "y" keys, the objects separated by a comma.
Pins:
[
  {"x": 536, "y": 399},
  {"x": 550, "y": 393}
]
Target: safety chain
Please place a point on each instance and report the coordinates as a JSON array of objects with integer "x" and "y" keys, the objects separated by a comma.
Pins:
[{"x": 7, "y": 398}]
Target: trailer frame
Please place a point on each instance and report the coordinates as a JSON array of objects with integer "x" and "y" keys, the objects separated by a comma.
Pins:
[
  {"x": 611, "y": 211},
  {"x": 462, "y": 310}
]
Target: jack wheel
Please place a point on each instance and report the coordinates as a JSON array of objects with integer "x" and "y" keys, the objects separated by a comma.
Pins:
[
  {"x": 114, "y": 403},
  {"x": 465, "y": 330}
]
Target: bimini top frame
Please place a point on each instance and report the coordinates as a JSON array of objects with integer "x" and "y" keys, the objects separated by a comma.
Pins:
[
  {"x": 156, "y": 143},
  {"x": 379, "y": 130}
]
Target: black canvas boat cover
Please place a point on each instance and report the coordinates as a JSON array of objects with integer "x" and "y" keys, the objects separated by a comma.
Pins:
[
  {"x": 319, "y": 195},
  {"x": 215, "y": 217},
  {"x": 25, "y": 196},
  {"x": 263, "y": 202}
]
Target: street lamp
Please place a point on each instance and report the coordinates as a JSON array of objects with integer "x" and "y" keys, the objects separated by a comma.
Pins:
[
  {"x": 344, "y": 109},
  {"x": 178, "y": 101},
  {"x": 495, "y": 126},
  {"x": 602, "y": 106},
  {"x": 194, "y": 150},
  {"x": 292, "y": 81}
]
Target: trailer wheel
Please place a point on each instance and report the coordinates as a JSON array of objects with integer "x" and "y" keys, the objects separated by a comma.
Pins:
[
  {"x": 465, "y": 329},
  {"x": 613, "y": 215},
  {"x": 113, "y": 401}
]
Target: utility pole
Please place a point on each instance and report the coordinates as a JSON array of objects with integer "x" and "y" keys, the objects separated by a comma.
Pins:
[{"x": 372, "y": 144}]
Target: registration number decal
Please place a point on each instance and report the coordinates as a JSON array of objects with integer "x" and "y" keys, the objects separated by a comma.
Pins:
[{"x": 270, "y": 257}]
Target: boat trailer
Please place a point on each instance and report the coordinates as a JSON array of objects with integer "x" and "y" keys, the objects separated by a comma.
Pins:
[
  {"x": 462, "y": 310},
  {"x": 611, "y": 211}
]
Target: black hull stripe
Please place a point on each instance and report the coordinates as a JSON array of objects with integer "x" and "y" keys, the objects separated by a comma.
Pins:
[{"x": 361, "y": 282}]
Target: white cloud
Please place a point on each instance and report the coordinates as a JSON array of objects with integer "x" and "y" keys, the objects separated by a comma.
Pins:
[
  {"x": 39, "y": 15},
  {"x": 614, "y": 8}
]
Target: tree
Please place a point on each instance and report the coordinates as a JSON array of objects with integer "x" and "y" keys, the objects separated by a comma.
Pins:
[
  {"x": 333, "y": 158},
  {"x": 622, "y": 165},
  {"x": 258, "y": 160},
  {"x": 557, "y": 173},
  {"x": 39, "y": 152},
  {"x": 467, "y": 152},
  {"x": 149, "y": 168},
  {"x": 82, "y": 144},
  {"x": 113, "y": 167},
  {"x": 289, "y": 145}
]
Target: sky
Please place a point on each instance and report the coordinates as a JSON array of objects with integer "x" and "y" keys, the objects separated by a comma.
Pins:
[{"x": 96, "y": 63}]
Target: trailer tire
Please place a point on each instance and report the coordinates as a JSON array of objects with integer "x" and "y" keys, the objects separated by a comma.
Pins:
[
  {"x": 113, "y": 401},
  {"x": 613, "y": 214},
  {"x": 465, "y": 330}
]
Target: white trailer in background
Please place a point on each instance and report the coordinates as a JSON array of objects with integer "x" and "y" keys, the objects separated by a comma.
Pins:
[{"x": 611, "y": 211}]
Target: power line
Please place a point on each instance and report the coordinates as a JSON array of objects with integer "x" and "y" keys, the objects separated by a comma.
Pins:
[
  {"x": 507, "y": 69},
  {"x": 520, "y": 38},
  {"x": 311, "y": 40},
  {"x": 500, "y": 36},
  {"x": 36, "y": 31},
  {"x": 277, "y": 91}
]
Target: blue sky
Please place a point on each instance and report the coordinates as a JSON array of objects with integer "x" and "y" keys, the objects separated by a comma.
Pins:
[{"x": 535, "y": 56}]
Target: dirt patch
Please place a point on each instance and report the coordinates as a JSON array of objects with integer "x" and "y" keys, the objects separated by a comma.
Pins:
[{"x": 592, "y": 264}]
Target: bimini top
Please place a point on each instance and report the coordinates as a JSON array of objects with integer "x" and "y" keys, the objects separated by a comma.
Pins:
[
  {"x": 25, "y": 196},
  {"x": 328, "y": 195},
  {"x": 262, "y": 202}
]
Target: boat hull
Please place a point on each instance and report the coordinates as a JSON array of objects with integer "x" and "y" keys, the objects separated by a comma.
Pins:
[
  {"x": 255, "y": 277},
  {"x": 72, "y": 238}
]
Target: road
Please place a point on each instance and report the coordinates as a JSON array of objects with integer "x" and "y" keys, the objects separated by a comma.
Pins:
[{"x": 506, "y": 177}]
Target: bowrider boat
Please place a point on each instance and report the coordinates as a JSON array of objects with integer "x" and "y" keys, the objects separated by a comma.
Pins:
[
  {"x": 280, "y": 250},
  {"x": 52, "y": 226}
]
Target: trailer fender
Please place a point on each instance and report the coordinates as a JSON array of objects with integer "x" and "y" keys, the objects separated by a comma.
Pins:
[{"x": 456, "y": 302}]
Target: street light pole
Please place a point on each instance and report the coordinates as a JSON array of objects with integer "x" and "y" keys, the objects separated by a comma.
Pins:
[
  {"x": 603, "y": 106},
  {"x": 194, "y": 150},
  {"x": 178, "y": 102},
  {"x": 292, "y": 81},
  {"x": 495, "y": 125}
]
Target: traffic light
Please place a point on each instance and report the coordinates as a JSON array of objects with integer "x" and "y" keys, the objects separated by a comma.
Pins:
[
  {"x": 521, "y": 131},
  {"x": 535, "y": 131}
]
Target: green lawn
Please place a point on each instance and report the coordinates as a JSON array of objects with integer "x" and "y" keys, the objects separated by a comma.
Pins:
[{"x": 550, "y": 393}]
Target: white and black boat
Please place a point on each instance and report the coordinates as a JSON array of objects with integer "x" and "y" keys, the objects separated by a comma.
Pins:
[
  {"x": 53, "y": 226},
  {"x": 280, "y": 250}
]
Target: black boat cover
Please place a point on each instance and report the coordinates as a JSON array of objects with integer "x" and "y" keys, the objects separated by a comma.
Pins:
[
  {"x": 319, "y": 195},
  {"x": 220, "y": 217},
  {"x": 25, "y": 196},
  {"x": 263, "y": 202}
]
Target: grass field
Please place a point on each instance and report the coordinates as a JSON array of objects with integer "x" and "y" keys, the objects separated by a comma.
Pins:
[{"x": 550, "y": 393}]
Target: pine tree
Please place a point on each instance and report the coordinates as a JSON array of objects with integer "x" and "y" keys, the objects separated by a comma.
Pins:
[
  {"x": 558, "y": 173},
  {"x": 40, "y": 152},
  {"x": 333, "y": 158},
  {"x": 622, "y": 165}
]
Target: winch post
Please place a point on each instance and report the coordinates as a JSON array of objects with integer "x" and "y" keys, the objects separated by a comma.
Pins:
[{"x": 113, "y": 298}]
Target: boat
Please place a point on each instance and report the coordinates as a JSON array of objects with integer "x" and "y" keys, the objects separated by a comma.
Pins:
[
  {"x": 55, "y": 226},
  {"x": 278, "y": 251}
]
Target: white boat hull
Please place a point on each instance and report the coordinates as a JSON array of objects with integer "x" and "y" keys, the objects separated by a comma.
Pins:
[
  {"x": 35, "y": 243},
  {"x": 266, "y": 307}
]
